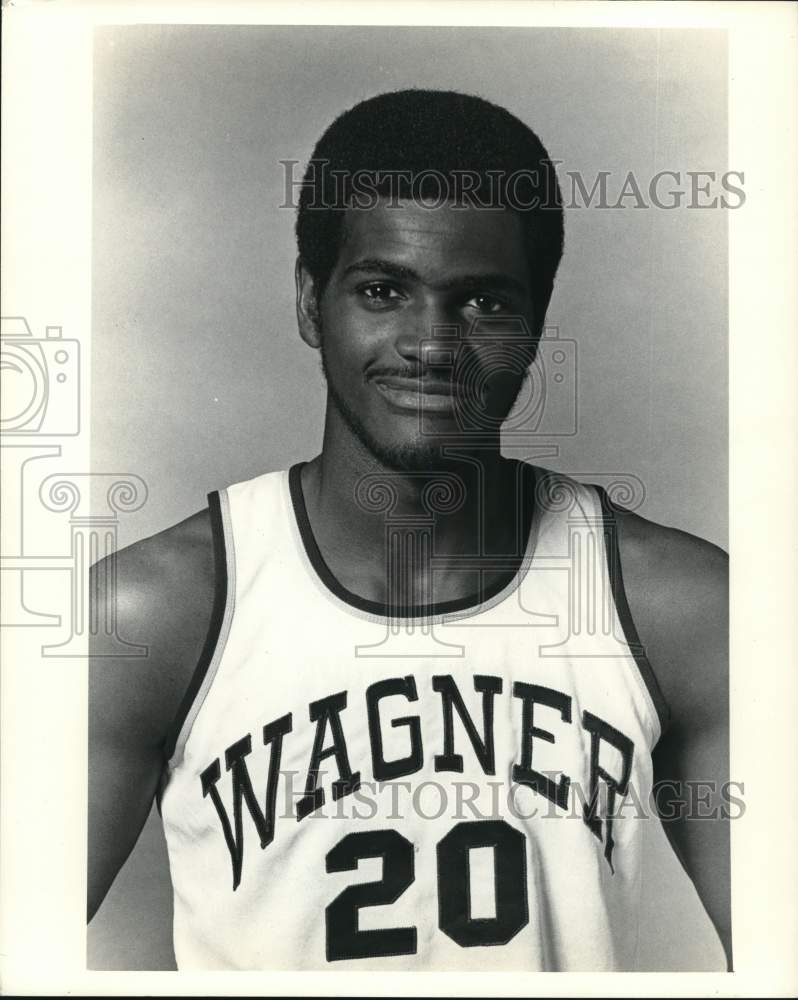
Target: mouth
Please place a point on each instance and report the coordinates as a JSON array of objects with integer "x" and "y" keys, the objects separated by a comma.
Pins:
[{"x": 433, "y": 394}]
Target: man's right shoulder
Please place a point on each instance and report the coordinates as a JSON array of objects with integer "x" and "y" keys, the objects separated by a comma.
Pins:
[
  {"x": 168, "y": 577},
  {"x": 181, "y": 552},
  {"x": 162, "y": 589}
]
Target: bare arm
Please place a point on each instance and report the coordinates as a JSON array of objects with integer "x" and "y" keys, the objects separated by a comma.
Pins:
[
  {"x": 677, "y": 587},
  {"x": 164, "y": 600}
]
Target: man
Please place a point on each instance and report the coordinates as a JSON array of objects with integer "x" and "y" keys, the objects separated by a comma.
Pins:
[{"x": 411, "y": 611}]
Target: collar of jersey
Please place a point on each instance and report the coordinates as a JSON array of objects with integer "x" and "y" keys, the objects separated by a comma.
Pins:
[{"x": 460, "y": 608}]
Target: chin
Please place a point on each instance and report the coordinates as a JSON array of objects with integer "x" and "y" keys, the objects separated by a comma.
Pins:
[{"x": 408, "y": 457}]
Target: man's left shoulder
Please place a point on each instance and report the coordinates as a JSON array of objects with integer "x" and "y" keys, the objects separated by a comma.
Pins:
[
  {"x": 669, "y": 565},
  {"x": 677, "y": 589}
]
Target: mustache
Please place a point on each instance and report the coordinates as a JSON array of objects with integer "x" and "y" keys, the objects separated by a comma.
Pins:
[{"x": 413, "y": 371}]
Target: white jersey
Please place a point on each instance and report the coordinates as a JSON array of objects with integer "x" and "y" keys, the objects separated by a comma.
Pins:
[{"x": 461, "y": 787}]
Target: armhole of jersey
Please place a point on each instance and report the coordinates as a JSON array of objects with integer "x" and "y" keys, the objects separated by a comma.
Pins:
[
  {"x": 630, "y": 632},
  {"x": 218, "y": 630}
]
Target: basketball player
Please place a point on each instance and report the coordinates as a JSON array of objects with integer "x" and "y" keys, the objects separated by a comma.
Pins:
[{"x": 408, "y": 704}]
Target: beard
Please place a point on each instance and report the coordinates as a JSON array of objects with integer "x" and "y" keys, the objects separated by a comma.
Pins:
[
  {"x": 420, "y": 456},
  {"x": 415, "y": 456}
]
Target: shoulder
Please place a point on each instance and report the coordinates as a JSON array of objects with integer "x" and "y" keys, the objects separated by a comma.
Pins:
[
  {"x": 163, "y": 561},
  {"x": 677, "y": 589},
  {"x": 678, "y": 571},
  {"x": 156, "y": 595},
  {"x": 162, "y": 590},
  {"x": 164, "y": 581}
]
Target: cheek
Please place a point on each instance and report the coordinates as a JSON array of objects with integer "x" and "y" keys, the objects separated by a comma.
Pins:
[
  {"x": 336, "y": 330},
  {"x": 346, "y": 358},
  {"x": 353, "y": 338}
]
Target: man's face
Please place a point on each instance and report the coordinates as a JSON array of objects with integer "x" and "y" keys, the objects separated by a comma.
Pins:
[{"x": 425, "y": 328}]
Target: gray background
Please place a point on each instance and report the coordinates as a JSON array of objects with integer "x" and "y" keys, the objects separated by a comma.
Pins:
[{"x": 199, "y": 377}]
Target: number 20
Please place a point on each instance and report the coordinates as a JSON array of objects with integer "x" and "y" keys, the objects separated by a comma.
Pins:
[{"x": 345, "y": 941}]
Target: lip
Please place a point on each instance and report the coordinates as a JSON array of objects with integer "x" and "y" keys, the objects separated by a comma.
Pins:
[{"x": 413, "y": 393}]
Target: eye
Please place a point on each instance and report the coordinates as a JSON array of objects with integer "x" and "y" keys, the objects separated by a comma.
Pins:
[
  {"x": 487, "y": 304},
  {"x": 378, "y": 293}
]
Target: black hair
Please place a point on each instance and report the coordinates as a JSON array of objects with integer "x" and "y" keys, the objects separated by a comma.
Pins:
[{"x": 422, "y": 143}]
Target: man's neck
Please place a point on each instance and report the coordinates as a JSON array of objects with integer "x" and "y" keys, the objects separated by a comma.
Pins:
[{"x": 471, "y": 507}]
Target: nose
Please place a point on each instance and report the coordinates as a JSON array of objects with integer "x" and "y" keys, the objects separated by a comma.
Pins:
[{"x": 430, "y": 337}]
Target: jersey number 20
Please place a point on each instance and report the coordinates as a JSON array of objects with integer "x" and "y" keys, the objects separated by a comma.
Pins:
[{"x": 345, "y": 941}]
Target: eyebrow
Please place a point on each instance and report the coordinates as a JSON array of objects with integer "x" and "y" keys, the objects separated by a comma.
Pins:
[{"x": 497, "y": 280}]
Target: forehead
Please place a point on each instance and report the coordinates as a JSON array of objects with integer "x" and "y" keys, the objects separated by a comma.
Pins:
[{"x": 436, "y": 240}]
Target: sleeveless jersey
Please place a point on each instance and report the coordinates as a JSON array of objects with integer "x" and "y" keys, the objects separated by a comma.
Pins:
[{"x": 461, "y": 787}]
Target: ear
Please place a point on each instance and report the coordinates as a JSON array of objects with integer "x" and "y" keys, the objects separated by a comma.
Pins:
[{"x": 307, "y": 306}]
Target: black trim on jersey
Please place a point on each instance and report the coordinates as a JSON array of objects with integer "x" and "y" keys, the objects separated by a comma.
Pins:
[
  {"x": 211, "y": 639},
  {"x": 624, "y": 612},
  {"x": 403, "y": 611}
]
